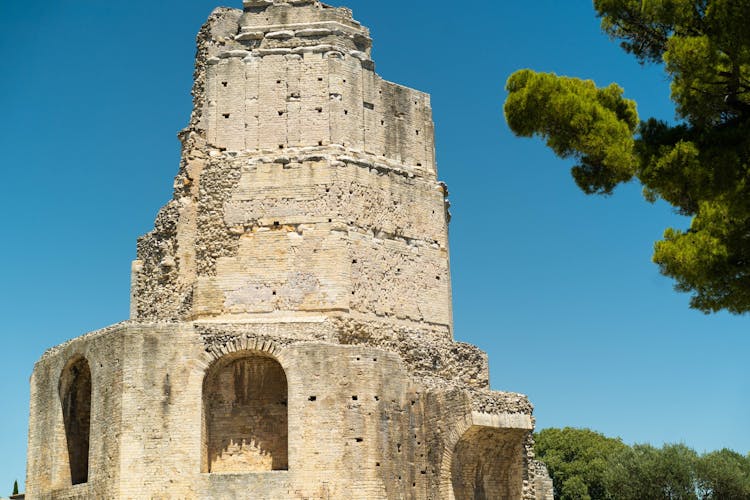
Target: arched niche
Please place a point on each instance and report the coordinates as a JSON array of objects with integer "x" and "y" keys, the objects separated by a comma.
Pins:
[
  {"x": 245, "y": 418},
  {"x": 75, "y": 398},
  {"x": 487, "y": 463}
]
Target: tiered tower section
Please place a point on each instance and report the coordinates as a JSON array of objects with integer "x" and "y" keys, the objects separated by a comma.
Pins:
[
  {"x": 291, "y": 327},
  {"x": 308, "y": 184}
]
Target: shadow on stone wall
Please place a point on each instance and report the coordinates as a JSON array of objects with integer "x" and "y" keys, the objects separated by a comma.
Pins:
[
  {"x": 488, "y": 464},
  {"x": 75, "y": 396},
  {"x": 245, "y": 415}
]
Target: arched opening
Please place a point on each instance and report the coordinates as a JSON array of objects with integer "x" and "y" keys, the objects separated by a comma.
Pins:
[
  {"x": 488, "y": 464},
  {"x": 245, "y": 415},
  {"x": 75, "y": 396}
]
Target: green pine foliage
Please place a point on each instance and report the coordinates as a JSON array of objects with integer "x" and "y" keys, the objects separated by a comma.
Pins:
[
  {"x": 700, "y": 165},
  {"x": 15, "y": 487},
  {"x": 586, "y": 465}
]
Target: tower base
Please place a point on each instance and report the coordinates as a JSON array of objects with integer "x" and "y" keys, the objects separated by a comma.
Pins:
[{"x": 269, "y": 410}]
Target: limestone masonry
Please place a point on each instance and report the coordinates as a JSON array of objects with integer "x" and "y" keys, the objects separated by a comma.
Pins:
[{"x": 291, "y": 330}]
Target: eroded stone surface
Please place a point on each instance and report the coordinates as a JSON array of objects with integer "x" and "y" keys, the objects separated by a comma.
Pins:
[
  {"x": 295, "y": 145},
  {"x": 291, "y": 330},
  {"x": 358, "y": 419}
]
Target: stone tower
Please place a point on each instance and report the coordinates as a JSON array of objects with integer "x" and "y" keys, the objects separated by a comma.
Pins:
[{"x": 291, "y": 332}]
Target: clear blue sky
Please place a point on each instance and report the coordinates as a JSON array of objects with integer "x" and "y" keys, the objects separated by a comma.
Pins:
[{"x": 557, "y": 287}]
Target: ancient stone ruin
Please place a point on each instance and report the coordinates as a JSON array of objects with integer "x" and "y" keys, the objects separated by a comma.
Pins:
[{"x": 291, "y": 331}]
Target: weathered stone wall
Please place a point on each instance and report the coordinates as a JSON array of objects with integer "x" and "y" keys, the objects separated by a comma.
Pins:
[
  {"x": 291, "y": 324},
  {"x": 245, "y": 417},
  {"x": 48, "y": 464},
  {"x": 357, "y": 420},
  {"x": 276, "y": 99},
  {"x": 488, "y": 463},
  {"x": 301, "y": 75},
  {"x": 75, "y": 399},
  {"x": 543, "y": 482},
  {"x": 364, "y": 238},
  {"x": 308, "y": 184}
]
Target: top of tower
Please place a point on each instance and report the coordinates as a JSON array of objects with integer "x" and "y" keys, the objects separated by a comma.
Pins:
[
  {"x": 265, "y": 3},
  {"x": 255, "y": 5},
  {"x": 279, "y": 24}
]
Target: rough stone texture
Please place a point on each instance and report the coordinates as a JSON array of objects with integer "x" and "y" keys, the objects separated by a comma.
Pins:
[
  {"x": 357, "y": 420},
  {"x": 307, "y": 183},
  {"x": 544, "y": 486},
  {"x": 75, "y": 398},
  {"x": 291, "y": 330},
  {"x": 478, "y": 469},
  {"x": 246, "y": 417}
]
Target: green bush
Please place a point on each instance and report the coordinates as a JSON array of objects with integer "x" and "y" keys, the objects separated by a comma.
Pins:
[{"x": 586, "y": 465}]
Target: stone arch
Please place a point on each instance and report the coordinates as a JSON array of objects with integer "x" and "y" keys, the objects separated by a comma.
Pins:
[
  {"x": 75, "y": 397},
  {"x": 452, "y": 437},
  {"x": 488, "y": 463},
  {"x": 245, "y": 416}
]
